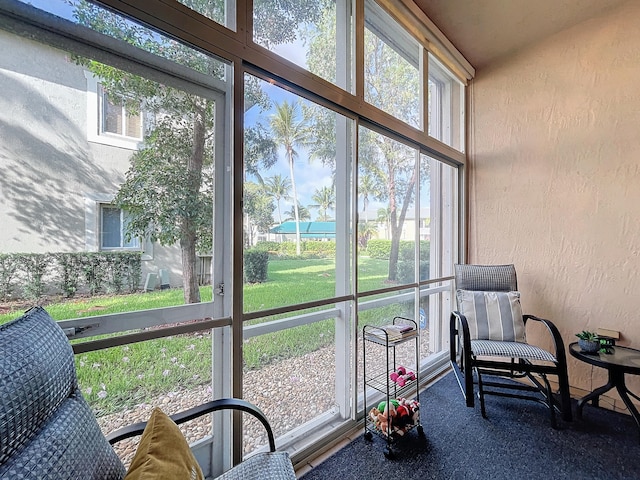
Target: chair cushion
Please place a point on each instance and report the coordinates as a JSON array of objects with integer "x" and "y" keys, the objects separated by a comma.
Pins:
[
  {"x": 494, "y": 278},
  {"x": 163, "y": 453},
  {"x": 270, "y": 465},
  {"x": 47, "y": 429},
  {"x": 492, "y": 315},
  {"x": 491, "y": 348}
]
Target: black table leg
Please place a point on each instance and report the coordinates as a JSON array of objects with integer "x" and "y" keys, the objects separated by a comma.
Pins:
[
  {"x": 593, "y": 396},
  {"x": 623, "y": 392},
  {"x": 616, "y": 380}
]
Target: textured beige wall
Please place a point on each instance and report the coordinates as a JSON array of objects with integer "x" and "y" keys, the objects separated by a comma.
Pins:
[{"x": 554, "y": 178}]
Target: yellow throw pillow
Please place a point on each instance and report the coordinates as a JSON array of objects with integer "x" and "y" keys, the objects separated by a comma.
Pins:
[{"x": 163, "y": 453}]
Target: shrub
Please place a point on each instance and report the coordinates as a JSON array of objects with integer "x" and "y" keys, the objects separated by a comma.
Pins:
[
  {"x": 69, "y": 271},
  {"x": 93, "y": 271},
  {"x": 256, "y": 263},
  {"x": 132, "y": 270},
  {"x": 9, "y": 263},
  {"x": 34, "y": 266},
  {"x": 111, "y": 271},
  {"x": 320, "y": 249},
  {"x": 380, "y": 249},
  {"x": 289, "y": 249},
  {"x": 406, "y": 261},
  {"x": 267, "y": 246}
]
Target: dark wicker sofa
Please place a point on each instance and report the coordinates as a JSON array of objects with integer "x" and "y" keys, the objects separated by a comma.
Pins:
[{"x": 47, "y": 429}]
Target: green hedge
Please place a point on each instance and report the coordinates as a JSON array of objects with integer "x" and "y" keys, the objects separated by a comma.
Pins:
[
  {"x": 381, "y": 249},
  {"x": 31, "y": 275},
  {"x": 308, "y": 248},
  {"x": 256, "y": 264},
  {"x": 406, "y": 262},
  {"x": 271, "y": 247}
]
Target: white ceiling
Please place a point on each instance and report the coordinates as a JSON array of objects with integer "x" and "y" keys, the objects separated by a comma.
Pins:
[{"x": 485, "y": 30}]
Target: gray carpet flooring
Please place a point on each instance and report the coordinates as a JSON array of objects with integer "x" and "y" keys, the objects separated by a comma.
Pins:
[{"x": 516, "y": 442}]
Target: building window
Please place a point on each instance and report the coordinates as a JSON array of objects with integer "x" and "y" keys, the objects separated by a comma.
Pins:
[
  {"x": 111, "y": 120},
  {"x": 118, "y": 117},
  {"x": 113, "y": 229}
]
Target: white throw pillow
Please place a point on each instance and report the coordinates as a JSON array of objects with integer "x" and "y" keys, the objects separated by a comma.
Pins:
[{"x": 492, "y": 315}]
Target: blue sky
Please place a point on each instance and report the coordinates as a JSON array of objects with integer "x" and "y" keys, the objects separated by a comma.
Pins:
[
  {"x": 309, "y": 176},
  {"x": 57, "y": 7}
]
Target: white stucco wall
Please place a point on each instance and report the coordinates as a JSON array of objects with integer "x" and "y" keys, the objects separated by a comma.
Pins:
[
  {"x": 49, "y": 168},
  {"x": 555, "y": 178}
]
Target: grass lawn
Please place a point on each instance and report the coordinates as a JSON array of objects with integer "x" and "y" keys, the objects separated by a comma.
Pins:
[{"x": 124, "y": 376}]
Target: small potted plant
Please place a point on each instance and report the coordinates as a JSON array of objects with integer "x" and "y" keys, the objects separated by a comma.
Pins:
[{"x": 588, "y": 341}]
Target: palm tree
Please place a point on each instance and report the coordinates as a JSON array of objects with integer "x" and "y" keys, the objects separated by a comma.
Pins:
[
  {"x": 304, "y": 215},
  {"x": 278, "y": 188},
  {"x": 290, "y": 130},
  {"x": 384, "y": 216},
  {"x": 325, "y": 199},
  {"x": 366, "y": 230},
  {"x": 366, "y": 189}
]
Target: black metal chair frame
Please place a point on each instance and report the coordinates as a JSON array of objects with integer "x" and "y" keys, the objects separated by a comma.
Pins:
[
  {"x": 195, "y": 412},
  {"x": 465, "y": 364}
]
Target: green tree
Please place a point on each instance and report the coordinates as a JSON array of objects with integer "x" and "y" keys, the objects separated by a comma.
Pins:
[
  {"x": 384, "y": 216},
  {"x": 278, "y": 188},
  {"x": 304, "y": 215},
  {"x": 366, "y": 230},
  {"x": 325, "y": 200},
  {"x": 290, "y": 129},
  {"x": 391, "y": 84},
  {"x": 367, "y": 189},
  {"x": 167, "y": 190},
  {"x": 258, "y": 206}
]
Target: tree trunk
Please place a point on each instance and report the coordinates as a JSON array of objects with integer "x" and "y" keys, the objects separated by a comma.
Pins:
[
  {"x": 189, "y": 235},
  {"x": 393, "y": 254},
  {"x": 296, "y": 214},
  {"x": 189, "y": 276},
  {"x": 396, "y": 226}
]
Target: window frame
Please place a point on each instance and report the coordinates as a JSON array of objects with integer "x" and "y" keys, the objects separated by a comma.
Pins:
[
  {"x": 122, "y": 247},
  {"x": 103, "y": 100},
  {"x": 95, "y": 119}
]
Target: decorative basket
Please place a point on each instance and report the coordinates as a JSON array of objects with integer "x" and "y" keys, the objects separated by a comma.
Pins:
[{"x": 589, "y": 346}]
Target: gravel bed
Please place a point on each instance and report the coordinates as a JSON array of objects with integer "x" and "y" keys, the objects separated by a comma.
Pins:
[
  {"x": 307, "y": 390},
  {"x": 288, "y": 397}
]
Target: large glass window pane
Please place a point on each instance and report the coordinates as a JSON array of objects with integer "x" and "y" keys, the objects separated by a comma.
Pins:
[
  {"x": 387, "y": 180},
  {"x": 314, "y": 35},
  {"x": 392, "y": 66},
  {"x": 434, "y": 312},
  {"x": 424, "y": 219},
  {"x": 439, "y": 227},
  {"x": 297, "y": 364},
  {"x": 123, "y": 384},
  {"x": 446, "y": 106},
  {"x": 159, "y": 190},
  {"x": 221, "y": 11},
  {"x": 293, "y": 209},
  {"x": 378, "y": 312},
  {"x": 91, "y": 15},
  {"x": 70, "y": 191}
]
